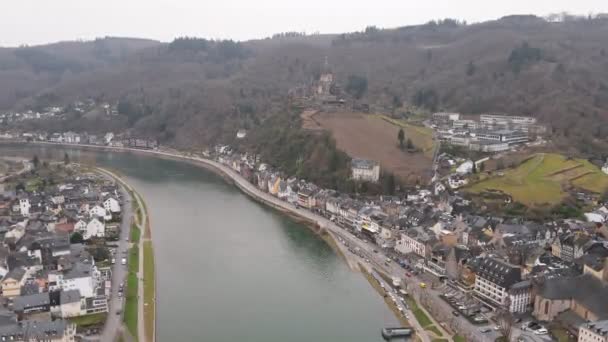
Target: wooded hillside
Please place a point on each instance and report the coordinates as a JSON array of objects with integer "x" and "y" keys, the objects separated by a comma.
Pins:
[{"x": 192, "y": 92}]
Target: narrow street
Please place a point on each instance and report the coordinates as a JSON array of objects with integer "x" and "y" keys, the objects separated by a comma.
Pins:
[{"x": 119, "y": 272}]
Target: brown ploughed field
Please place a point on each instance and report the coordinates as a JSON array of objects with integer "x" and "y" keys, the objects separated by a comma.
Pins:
[{"x": 370, "y": 137}]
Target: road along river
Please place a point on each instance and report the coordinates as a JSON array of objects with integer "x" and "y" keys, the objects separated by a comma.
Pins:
[{"x": 230, "y": 269}]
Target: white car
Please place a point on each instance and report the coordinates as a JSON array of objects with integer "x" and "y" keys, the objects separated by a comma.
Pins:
[{"x": 541, "y": 331}]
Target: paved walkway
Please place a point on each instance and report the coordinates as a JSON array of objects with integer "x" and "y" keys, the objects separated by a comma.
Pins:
[
  {"x": 141, "y": 324},
  {"x": 111, "y": 329},
  {"x": 254, "y": 192}
]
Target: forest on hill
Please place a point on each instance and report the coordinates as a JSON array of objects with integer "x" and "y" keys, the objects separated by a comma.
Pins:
[{"x": 193, "y": 92}]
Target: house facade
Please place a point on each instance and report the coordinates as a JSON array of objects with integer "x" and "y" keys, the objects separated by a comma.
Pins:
[
  {"x": 410, "y": 244},
  {"x": 94, "y": 228},
  {"x": 111, "y": 205},
  {"x": 365, "y": 170},
  {"x": 493, "y": 280}
]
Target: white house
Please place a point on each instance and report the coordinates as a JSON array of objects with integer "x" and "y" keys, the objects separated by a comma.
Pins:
[
  {"x": 596, "y": 217},
  {"x": 80, "y": 226},
  {"x": 71, "y": 304},
  {"x": 365, "y": 170},
  {"x": 108, "y": 137},
  {"x": 98, "y": 211},
  {"x": 465, "y": 168},
  {"x": 71, "y": 138},
  {"x": 111, "y": 205},
  {"x": 95, "y": 228},
  {"x": 408, "y": 244},
  {"x": 24, "y": 207},
  {"x": 83, "y": 277},
  {"x": 605, "y": 167}
]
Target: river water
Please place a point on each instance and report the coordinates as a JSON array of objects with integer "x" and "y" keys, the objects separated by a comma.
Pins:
[{"x": 230, "y": 269}]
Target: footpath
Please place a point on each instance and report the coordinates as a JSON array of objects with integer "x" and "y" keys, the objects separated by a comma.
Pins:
[
  {"x": 143, "y": 306},
  {"x": 251, "y": 190}
]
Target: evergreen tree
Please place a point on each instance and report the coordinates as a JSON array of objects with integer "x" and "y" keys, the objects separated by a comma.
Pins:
[
  {"x": 76, "y": 238},
  {"x": 66, "y": 159},
  {"x": 36, "y": 161}
]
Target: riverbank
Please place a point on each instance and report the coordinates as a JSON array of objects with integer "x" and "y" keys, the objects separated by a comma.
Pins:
[
  {"x": 140, "y": 303},
  {"x": 316, "y": 223},
  {"x": 320, "y": 225}
]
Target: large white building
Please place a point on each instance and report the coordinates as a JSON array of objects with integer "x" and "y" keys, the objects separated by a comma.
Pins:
[
  {"x": 365, "y": 170},
  {"x": 593, "y": 332},
  {"x": 82, "y": 277},
  {"x": 491, "y": 121},
  {"x": 411, "y": 244},
  {"x": 504, "y": 135},
  {"x": 497, "y": 283}
]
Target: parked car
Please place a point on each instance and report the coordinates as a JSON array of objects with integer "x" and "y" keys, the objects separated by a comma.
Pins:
[
  {"x": 541, "y": 331},
  {"x": 484, "y": 330},
  {"x": 455, "y": 313}
]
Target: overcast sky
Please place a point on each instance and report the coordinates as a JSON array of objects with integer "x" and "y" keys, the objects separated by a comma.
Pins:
[{"x": 42, "y": 21}]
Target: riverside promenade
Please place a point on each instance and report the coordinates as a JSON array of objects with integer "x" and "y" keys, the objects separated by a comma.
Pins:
[{"x": 250, "y": 189}]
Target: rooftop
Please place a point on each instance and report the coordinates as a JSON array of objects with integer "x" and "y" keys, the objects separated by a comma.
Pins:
[
  {"x": 599, "y": 327},
  {"x": 363, "y": 164},
  {"x": 23, "y": 302}
]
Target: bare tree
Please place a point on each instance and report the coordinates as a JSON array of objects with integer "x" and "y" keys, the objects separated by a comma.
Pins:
[{"x": 505, "y": 320}]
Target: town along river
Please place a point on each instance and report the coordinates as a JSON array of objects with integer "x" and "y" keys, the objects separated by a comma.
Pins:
[{"x": 230, "y": 269}]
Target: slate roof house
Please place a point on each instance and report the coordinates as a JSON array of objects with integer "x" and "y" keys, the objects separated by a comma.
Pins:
[
  {"x": 493, "y": 281},
  {"x": 582, "y": 298}
]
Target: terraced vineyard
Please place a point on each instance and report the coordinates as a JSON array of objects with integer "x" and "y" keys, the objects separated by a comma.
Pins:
[{"x": 544, "y": 179}]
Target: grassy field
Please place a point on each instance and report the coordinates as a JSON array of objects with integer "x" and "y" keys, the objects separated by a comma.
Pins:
[
  {"x": 131, "y": 295},
  {"x": 422, "y": 137},
  {"x": 542, "y": 179},
  {"x": 372, "y": 137},
  {"x": 130, "y": 314},
  {"x": 88, "y": 320},
  {"x": 134, "y": 259},
  {"x": 149, "y": 291},
  {"x": 135, "y": 233},
  {"x": 422, "y": 317}
]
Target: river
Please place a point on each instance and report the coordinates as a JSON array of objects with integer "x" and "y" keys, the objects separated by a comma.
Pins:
[{"x": 230, "y": 269}]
